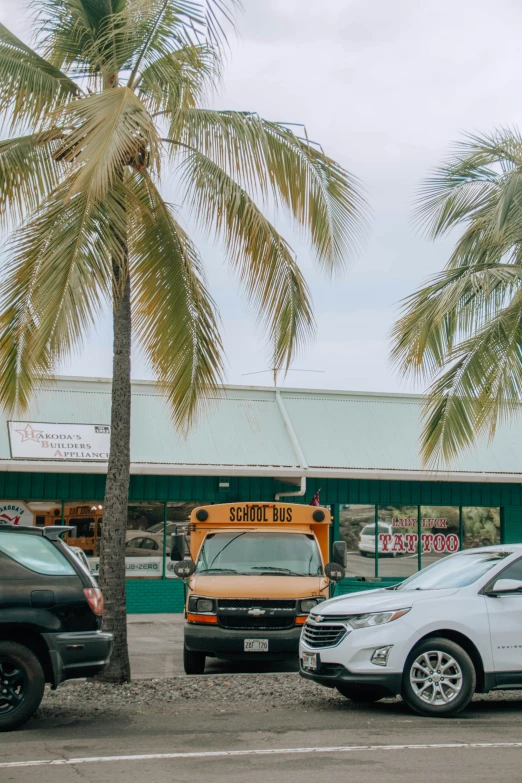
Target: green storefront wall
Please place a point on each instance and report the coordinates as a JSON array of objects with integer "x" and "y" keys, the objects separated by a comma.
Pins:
[
  {"x": 167, "y": 595},
  {"x": 69, "y": 486}
]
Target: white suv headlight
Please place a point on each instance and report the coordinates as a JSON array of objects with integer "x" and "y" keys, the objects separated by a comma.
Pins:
[{"x": 377, "y": 618}]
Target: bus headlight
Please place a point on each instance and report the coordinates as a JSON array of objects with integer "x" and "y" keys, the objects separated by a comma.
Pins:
[
  {"x": 200, "y": 605},
  {"x": 306, "y": 606}
]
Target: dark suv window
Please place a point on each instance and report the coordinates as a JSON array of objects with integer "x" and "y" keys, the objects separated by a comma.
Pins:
[{"x": 36, "y": 553}]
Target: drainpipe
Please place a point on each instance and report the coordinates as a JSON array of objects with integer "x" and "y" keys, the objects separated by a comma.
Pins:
[
  {"x": 299, "y": 494},
  {"x": 298, "y": 451}
]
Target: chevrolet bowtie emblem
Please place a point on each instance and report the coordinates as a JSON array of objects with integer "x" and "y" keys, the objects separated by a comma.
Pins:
[
  {"x": 256, "y": 612},
  {"x": 318, "y": 618}
]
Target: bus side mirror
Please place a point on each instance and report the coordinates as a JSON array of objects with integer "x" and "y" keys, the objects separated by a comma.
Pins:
[
  {"x": 340, "y": 553},
  {"x": 184, "y": 569},
  {"x": 334, "y": 572},
  {"x": 177, "y": 547}
]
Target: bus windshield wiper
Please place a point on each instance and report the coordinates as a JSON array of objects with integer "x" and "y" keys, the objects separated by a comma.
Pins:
[
  {"x": 276, "y": 570},
  {"x": 220, "y": 570}
]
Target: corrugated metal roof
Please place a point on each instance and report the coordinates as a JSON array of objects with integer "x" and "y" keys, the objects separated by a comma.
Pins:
[
  {"x": 382, "y": 431},
  {"x": 244, "y": 428}
]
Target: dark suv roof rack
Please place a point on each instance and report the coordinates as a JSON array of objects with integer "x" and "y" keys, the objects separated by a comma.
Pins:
[{"x": 52, "y": 532}]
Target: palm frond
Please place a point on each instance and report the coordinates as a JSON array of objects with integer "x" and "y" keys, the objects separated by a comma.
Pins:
[
  {"x": 174, "y": 316},
  {"x": 30, "y": 86},
  {"x": 216, "y": 14},
  {"x": 269, "y": 158},
  {"x": 482, "y": 385},
  {"x": 101, "y": 38},
  {"x": 57, "y": 276},
  {"x": 470, "y": 182},
  {"x": 142, "y": 31},
  {"x": 79, "y": 35},
  {"x": 28, "y": 173},
  {"x": 111, "y": 130},
  {"x": 179, "y": 79},
  {"x": 463, "y": 330},
  {"x": 453, "y": 306},
  {"x": 262, "y": 260}
]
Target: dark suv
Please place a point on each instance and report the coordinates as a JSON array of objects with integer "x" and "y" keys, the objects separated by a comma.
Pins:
[{"x": 50, "y": 619}]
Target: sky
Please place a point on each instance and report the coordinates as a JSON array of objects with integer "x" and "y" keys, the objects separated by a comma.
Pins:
[{"x": 386, "y": 87}]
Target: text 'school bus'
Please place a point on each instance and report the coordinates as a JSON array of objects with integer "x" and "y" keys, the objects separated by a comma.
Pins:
[{"x": 253, "y": 572}]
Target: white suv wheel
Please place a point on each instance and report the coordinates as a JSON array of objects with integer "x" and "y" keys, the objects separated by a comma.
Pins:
[
  {"x": 436, "y": 677},
  {"x": 439, "y": 677}
]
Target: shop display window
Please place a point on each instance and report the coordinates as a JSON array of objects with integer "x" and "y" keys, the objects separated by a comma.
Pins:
[
  {"x": 398, "y": 541},
  {"x": 356, "y": 522},
  {"x": 481, "y": 526}
]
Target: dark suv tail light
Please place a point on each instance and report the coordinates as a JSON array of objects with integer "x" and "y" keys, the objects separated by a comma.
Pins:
[{"x": 95, "y": 599}]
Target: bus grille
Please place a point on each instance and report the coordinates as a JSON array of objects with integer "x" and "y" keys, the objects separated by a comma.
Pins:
[
  {"x": 256, "y": 623},
  {"x": 255, "y": 603},
  {"x": 323, "y": 635}
]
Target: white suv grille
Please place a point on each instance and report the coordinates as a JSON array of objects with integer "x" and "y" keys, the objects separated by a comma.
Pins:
[{"x": 323, "y": 635}]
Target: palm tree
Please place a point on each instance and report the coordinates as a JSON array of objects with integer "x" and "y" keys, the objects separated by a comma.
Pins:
[
  {"x": 463, "y": 330},
  {"x": 113, "y": 92}
]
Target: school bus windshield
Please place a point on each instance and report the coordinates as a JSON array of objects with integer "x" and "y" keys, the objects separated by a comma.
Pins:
[{"x": 260, "y": 553}]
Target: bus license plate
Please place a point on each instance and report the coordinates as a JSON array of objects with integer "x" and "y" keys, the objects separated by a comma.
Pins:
[
  {"x": 310, "y": 661},
  {"x": 256, "y": 645}
]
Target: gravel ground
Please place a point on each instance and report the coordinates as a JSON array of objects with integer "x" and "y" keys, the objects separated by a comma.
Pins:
[{"x": 221, "y": 693}]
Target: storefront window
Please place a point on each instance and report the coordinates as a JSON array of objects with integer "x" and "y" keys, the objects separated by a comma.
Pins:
[
  {"x": 144, "y": 540},
  {"x": 440, "y": 532},
  {"x": 40, "y": 514},
  {"x": 87, "y": 519},
  {"x": 444, "y": 529},
  {"x": 398, "y": 540},
  {"x": 178, "y": 514},
  {"x": 356, "y": 528},
  {"x": 481, "y": 526}
]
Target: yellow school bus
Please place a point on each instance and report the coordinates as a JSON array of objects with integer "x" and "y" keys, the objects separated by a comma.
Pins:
[
  {"x": 87, "y": 520},
  {"x": 253, "y": 572}
]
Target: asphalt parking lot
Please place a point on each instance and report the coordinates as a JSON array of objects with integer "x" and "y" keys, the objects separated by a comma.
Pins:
[
  {"x": 156, "y": 650},
  {"x": 236, "y": 739},
  {"x": 236, "y": 725}
]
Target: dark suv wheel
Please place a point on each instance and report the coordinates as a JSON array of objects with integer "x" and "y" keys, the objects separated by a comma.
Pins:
[
  {"x": 22, "y": 684},
  {"x": 439, "y": 678}
]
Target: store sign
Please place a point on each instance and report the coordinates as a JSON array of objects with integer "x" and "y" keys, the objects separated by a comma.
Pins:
[
  {"x": 67, "y": 442},
  {"x": 13, "y": 512},
  {"x": 406, "y": 543},
  {"x": 438, "y": 522},
  {"x": 135, "y": 567}
]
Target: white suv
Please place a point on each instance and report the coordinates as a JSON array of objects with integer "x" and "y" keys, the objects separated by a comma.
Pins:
[{"x": 450, "y": 630}]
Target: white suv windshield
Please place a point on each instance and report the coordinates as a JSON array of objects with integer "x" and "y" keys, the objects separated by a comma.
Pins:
[{"x": 456, "y": 571}]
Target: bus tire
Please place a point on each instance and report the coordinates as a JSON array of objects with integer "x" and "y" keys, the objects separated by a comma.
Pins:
[{"x": 193, "y": 661}]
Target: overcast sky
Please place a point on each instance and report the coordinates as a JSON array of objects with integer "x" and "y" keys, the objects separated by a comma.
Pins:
[{"x": 386, "y": 86}]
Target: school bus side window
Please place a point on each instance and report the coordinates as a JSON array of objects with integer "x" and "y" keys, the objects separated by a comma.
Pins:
[{"x": 84, "y": 526}]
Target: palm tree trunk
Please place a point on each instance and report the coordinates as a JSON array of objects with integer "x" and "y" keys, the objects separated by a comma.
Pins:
[{"x": 112, "y": 554}]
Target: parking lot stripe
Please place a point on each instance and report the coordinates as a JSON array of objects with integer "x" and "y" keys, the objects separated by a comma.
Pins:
[{"x": 255, "y": 752}]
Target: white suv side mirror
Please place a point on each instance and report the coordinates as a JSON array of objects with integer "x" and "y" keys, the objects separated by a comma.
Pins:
[{"x": 502, "y": 586}]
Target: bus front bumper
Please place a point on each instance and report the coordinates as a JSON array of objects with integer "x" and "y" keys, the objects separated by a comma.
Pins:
[{"x": 225, "y": 643}]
